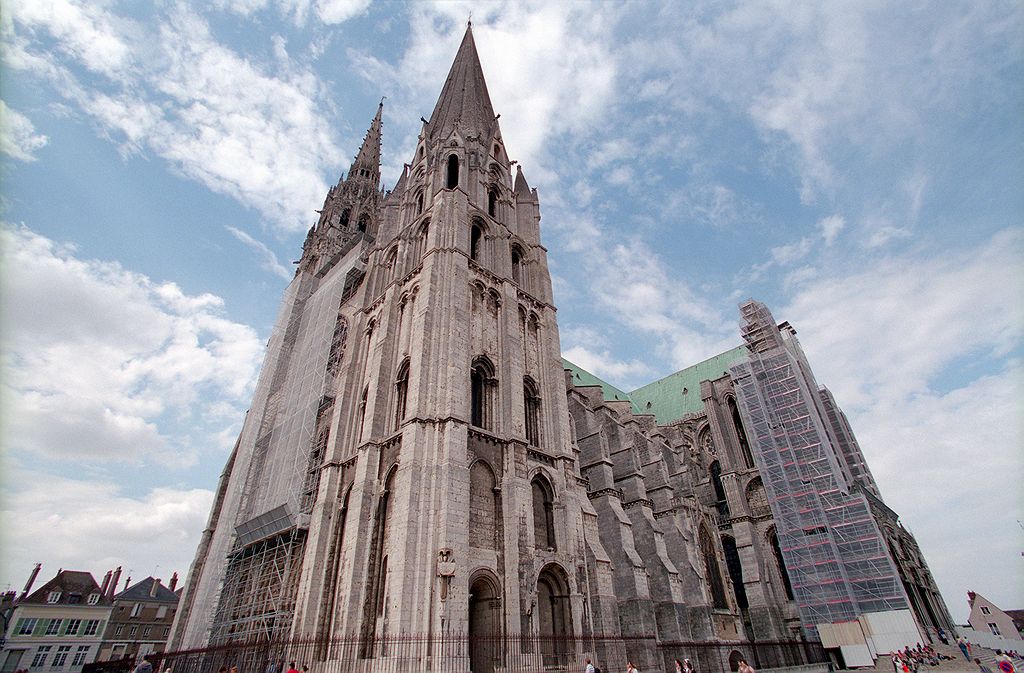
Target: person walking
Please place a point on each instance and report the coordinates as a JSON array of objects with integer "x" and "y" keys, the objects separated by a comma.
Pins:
[
  {"x": 588, "y": 667},
  {"x": 144, "y": 666},
  {"x": 745, "y": 667},
  {"x": 961, "y": 642},
  {"x": 982, "y": 668}
]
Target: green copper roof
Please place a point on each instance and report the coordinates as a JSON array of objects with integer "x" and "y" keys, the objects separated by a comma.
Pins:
[
  {"x": 581, "y": 377},
  {"x": 678, "y": 394}
]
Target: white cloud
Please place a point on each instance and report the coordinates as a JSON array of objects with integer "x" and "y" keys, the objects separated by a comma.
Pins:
[
  {"x": 217, "y": 117},
  {"x": 830, "y": 227},
  {"x": 18, "y": 138},
  {"x": 268, "y": 260},
  {"x": 339, "y": 11},
  {"x": 785, "y": 255},
  {"x": 101, "y": 362},
  {"x": 604, "y": 365},
  {"x": 888, "y": 330},
  {"x": 95, "y": 525}
]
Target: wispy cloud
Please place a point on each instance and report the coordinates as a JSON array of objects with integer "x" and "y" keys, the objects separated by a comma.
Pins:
[
  {"x": 268, "y": 260},
  {"x": 96, "y": 356},
  {"x": 18, "y": 137}
]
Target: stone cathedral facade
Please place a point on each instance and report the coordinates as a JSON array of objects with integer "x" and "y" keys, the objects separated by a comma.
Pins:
[{"x": 419, "y": 459}]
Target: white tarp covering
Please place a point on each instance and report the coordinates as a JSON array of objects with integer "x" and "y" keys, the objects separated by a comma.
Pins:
[
  {"x": 856, "y": 655},
  {"x": 891, "y": 630}
]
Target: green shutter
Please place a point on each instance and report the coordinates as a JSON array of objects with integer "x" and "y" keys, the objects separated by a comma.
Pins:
[
  {"x": 17, "y": 627},
  {"x": 40, "y": 627}
]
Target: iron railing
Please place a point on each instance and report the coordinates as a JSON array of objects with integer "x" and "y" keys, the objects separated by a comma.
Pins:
[{"x": 460, "y": 653}]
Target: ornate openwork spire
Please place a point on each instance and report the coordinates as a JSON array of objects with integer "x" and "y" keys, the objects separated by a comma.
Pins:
[{"x": 368, "y": 158}]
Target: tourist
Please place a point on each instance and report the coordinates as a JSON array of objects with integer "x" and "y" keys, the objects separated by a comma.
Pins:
[
  {"x": 1003, "y": 662},
  {"x": 982, "y": 668},
  {"x": 961, "y": 642},
  {"x": 144, "y": 666},
  {"x": 292, "y": 669},
  {"x": 745, "y": 667},
  {"x": 589, "y": 667}
]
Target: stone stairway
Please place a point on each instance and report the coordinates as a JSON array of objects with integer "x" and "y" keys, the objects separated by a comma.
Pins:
[{"x": 957, "y": 665}]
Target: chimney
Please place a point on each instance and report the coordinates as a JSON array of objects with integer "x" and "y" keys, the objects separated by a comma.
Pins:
[
  {"x": 113, "y": 582},
  {"x": 127, "y": 582},
  {"x": 31, "y": 581},
  {"x": 174, "y": 582},
  {"x": 154, "y": 588},
  {"x": 106, "y": 583}
]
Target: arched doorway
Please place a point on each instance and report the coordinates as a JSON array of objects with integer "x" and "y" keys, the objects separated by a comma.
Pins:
[
  {"x": 485, "y": 630},
  {"x": 555, "y": 616},
  {"x": 735, "y": 657}
]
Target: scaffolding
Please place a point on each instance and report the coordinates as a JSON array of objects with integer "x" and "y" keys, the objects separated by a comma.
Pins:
[
  {"x": 833, "y": 550},
  {"x": 257, "y": 602}
]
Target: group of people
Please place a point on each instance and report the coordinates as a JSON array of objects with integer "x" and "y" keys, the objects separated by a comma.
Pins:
[
  {"x": 684, "y": 666},
  {"x": 912, "y": 658}
]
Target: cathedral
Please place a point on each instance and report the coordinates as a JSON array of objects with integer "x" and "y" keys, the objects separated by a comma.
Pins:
[{"x": 419, "y": 460}]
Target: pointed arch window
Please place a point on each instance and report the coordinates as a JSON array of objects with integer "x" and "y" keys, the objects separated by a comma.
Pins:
[
  {"x": 543, "y": 513},
  {"x": 737, "y": 422},
  {"x": 363, "y": 223},
  {"x": 421, "y": 241},
  {"x": 780, "y": 563},
  {"x": 712, "y": 570},
  {"x": 531, "y": 404},
  {"x": 716, "y": 482},
  {"x": 343, "y": 220},
  {"x": 419, "y": 202},
  {"x": 482, "y": 385},
  {"x": 401, "y": 393},
  {"x": 517, "y": 266},
  {"x": 362, "y": 412},
  {"x": 735, "y": 567},
  {"x": 492, "y": 201},
  {"x": 476, "y": 235},
  {"x": 453, "y": 172}
]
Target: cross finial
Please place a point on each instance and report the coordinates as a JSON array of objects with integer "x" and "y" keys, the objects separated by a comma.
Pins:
[{"x": 469, "y": 21}]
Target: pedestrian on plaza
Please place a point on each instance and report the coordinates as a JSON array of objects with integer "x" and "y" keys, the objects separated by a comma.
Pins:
[
  {"x": 896, "y": 662},
  {"x": 292, "y": 669},
  {"x": 144, "y": 666},
  {"x": 1004, "y": 663},
  {"x": 679, "y": 666},
  {"x": 588, "y": 667},
  {"x": 961, "y": 642},
  {"x": 745, "y": 667},
  {"x": 982, "y": 668}
]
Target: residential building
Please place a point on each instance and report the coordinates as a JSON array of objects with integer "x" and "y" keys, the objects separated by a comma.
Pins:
[{"x": 140, "y": 621}]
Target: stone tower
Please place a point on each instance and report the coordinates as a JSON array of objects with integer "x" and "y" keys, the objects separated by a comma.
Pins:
[{"x": 406, "y": 465}]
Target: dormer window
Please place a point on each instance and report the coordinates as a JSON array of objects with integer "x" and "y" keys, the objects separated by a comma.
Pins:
[
  {"x": 53, "y": 597},
  {"x": 94, "y": 598}
]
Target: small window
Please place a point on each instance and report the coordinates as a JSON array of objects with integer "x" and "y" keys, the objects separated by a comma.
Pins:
[
  {"x": 343, "y": 221},
  {"x": 364, "y": 222},
  {"x": 91, "y": 627},
  {"x": 146, "y": 631},
  {"x": 531, "y": 403},
  {"x": 27, "y": 626},
  {"x": 74, "y": 599},
  {"x": 482, "y": 386},
  {"x": 53, "y": 627},
  {"x": 994, "y": 628},
  {"x": 136, "y": 609},
  {"x": 492, "y": 201},
  {"x": 401, "y": 393},
  {"x": 39, "y": 660},
  {"x": 419, "y": 203},
  {"x": 132, "y": 632},
  {"x": 517, "y": 266},
  {"x": 94, "y": 598},
  {"x": 161, "y": 612},
  {"x": 475, "y": 235},
  {"x": 985, "y": 610},
  {"x": 72, "y": 628},
  {"x": 167, "y": 631},
  {"x": 119, "y": 629},
  {"x": 80, "y": 655},
  {"x": 53, "y": 597},
  {"x": 61, "y": 657},
  {"x": 453, "y": 172}
]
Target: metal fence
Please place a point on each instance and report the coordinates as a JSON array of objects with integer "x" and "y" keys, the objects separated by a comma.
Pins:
[{"x": 460, "y": 653}]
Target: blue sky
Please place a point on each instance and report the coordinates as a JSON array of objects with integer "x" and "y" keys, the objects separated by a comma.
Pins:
[{"x": 857, "y": 166}]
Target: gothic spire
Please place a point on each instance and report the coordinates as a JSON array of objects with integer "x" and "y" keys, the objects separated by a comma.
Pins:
[
  {"x": 522, "y": 188},
  {"x": 369, "y": 154},
  {"x": 464, "y": 100}
]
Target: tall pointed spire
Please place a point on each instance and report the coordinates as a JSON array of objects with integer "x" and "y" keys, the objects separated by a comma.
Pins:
[
  {"x": 368, "y": 157},
  {"x": 464, "y": 100}
]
